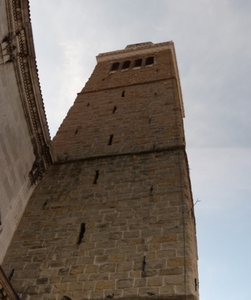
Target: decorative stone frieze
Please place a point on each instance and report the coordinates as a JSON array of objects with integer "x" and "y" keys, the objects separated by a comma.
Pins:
[{"x": 18, "y": 48}]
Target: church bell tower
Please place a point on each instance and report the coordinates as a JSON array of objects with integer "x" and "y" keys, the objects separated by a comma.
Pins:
[{"x": 113, "y": 216}]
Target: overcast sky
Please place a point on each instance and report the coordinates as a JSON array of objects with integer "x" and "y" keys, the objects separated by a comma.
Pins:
[{"x": 213, "y": 47}]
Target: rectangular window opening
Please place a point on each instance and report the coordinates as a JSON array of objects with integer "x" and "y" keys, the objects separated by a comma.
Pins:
[
  {"x": 126, "y": 65},
  {"x": 138, "y": 63},
  {"x": 149, "y": 60},
  {"x": 115, "y": 66}
]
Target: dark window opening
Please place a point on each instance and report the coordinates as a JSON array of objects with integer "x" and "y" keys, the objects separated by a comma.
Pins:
[
  {"x": 150, "y": 120},
  {"x": 151, "y": 189},
  {"x": 123, "y": 94},
  {"x": 81, "y": 233},
  {"x": 96, "y": 177},
  {"x": 138, "y": 62},
  {"x": 115, "y": 66},
  {"x": 110, "y": 140},
  {"x": 149, "y": 60},
  {"x": 76, "y": 131},
  {"x": 126, "y": 64},
  {"x": 114, "y": 109},
  {"x": 45, "y": 203},
  {"x": 144, "y": 264},
  {"x": 88, "y": 104}
]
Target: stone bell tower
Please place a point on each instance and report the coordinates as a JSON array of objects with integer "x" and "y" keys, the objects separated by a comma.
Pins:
[{"x": 113, "y": 217}]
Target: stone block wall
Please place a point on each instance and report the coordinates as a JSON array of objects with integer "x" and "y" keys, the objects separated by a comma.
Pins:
[
  {"x": 87, "y": 237},
  {"x": 126, "y": 111},
  {"x": 114, "y": 215}
]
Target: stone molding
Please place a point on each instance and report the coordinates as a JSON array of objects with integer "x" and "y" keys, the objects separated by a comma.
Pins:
[
  {"x": 18, "y": 48},
  {"x": 134, "y": 49},
  {"x": 6, "y": 290}
]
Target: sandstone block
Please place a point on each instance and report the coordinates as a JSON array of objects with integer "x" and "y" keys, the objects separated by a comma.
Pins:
[
  {"x": 124, "y": 283},
  {"x": 75, "y": 286},
  {"x": 124, "y": 266},
  {"x": 172, "y": 237},
  {"x": 139, "y": 282},
  {"x": 172, "y": 271},
  {"x": 63, "y": 271},
  {"x": 91, "y": 269},
  {"x": 60, "y": 287},
  {"x": 77, "y": 269},
  {"x": 98, "y": 277},
  {"x": 154, "y": 281},
  {"x": 105, "y": 284},
  {"x": 117, "y": 258},
  {"x": 110, "y": 267}
]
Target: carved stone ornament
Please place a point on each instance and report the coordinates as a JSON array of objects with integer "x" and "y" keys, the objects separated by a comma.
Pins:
[{"x": 18, "y": 48}]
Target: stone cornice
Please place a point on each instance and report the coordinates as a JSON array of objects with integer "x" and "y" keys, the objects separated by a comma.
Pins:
[
  {"x": 21, "y": 52},
  {"x": 6, "y": 289},
  {"x": 134, "y": 49}
]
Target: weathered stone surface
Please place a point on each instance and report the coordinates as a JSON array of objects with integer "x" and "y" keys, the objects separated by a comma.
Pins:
[
  {"x": 105, "y": 284},
  {"x": 113, "y": 220},
  {"x": 124, "y": 283}
]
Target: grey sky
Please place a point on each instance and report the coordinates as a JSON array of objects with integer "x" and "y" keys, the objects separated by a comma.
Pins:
[{"x": 213, "y": 41}]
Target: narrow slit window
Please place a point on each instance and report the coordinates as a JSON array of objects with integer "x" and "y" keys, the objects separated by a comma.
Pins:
[
  {"x": 151, "y": 189},
  {"x": 123, "y": 94},
  {"x": 196, "y": 284},
  {"x": 96, "y": 177},
  {"x": 149, "y": 60},
  {"x": 110, "y": 140},
  {"x": 81, "y": 233},
  {"x": 114, "y": 109},
  {"x": 126, "y": 65},
  {"x": 115, "y": 66},
  {"x": 138, "y": 63}
]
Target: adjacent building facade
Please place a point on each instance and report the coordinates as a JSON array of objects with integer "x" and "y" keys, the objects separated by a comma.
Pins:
[
  {"x": 25, "y": 146},
  {"x": 112, "y": 216}
]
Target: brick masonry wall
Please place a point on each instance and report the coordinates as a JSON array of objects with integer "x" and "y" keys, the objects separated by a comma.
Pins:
[
  {"x": 118, "y": 196},
  {"x": 138, "y": 109},
  {"x": 138, "y": 207}
]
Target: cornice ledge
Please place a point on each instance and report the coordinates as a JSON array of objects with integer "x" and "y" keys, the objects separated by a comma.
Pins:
[
  {"x": 141, "y": 48},
  {"x": 22, "y": 55}
]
